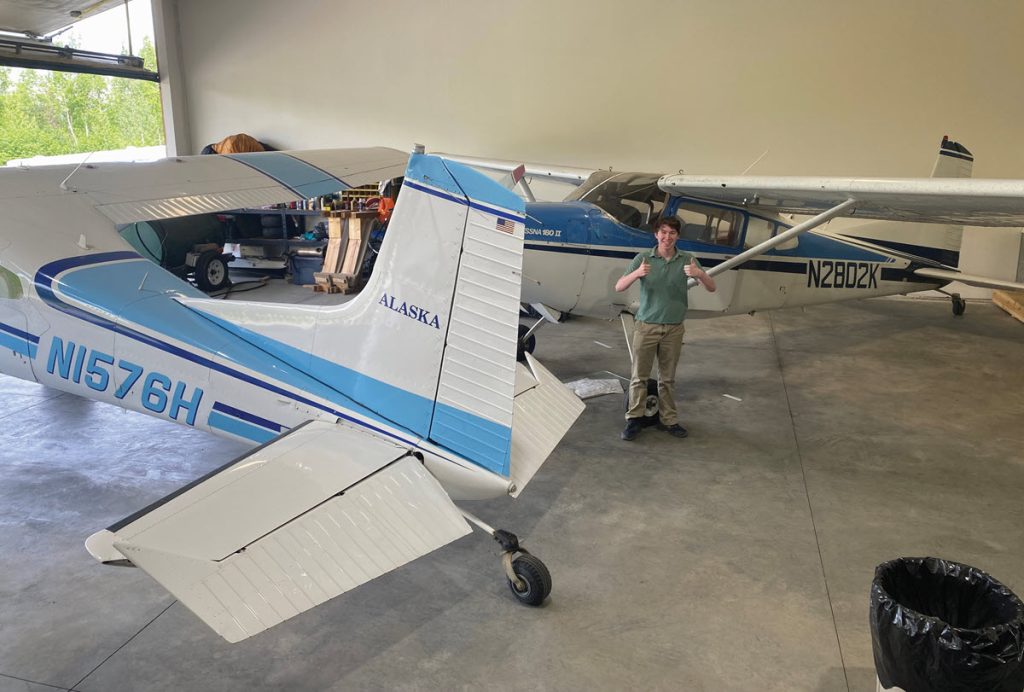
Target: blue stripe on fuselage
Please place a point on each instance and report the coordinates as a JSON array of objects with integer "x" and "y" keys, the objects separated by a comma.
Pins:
[
  {"x": 305, "y": 179},
  {"x": 584, "y": 229},
  {"x": 169, "y": 318},
  {"x": 246, "y": 416},
  {"x": 114, "y": 278},
  {"x": 18, "y": 345},
  {"x": 14, "y": 331},
  {"x": 478, "y": 439},
  {"x": 240, "y": 428}
]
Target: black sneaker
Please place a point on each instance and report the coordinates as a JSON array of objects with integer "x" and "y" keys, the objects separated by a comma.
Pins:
[
  {"x": 674, "y": 430},
  {"x": 632, "y": 430}
]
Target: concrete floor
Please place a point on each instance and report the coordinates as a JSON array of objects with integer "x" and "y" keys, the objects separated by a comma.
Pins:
[{"x": 737, "y": 559}]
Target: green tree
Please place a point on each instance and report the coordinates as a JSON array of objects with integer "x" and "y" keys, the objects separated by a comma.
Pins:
[{"x": 47, "y": 113}]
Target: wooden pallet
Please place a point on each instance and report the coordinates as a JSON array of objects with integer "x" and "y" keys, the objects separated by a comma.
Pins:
[
  {"x": 334, "y": 282},
  {"x": 1011, "y": 301}
]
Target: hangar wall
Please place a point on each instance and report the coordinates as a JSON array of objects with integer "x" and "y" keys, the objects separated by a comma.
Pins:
[{"x": 863, "y": 88}]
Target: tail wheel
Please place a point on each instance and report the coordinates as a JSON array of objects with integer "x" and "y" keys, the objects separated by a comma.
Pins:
[
  {"x": 535, "y": 578},
  {"x": 524, "y": 346},
  {"x": 959, "y": 305},
  {"x": 211, "y": 271},
  {"x": 651, "y": 404}
]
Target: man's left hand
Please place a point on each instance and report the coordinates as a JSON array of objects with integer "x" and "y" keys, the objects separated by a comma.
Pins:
[{"x": 692, "y": 270}]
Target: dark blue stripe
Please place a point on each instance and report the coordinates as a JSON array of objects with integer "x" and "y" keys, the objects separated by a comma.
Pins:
[
  {"x": 18, "y": 333},
  {"x": 463, "y": 202},
  {"x": 44, "y": 280},
  {"x": 949, "y": 258},
  {"x": 753, "y": 265},
  {"x": 955, "y": 155},
  {"x": 763, "y": 266},
  {"x": 246, "y": 416}
]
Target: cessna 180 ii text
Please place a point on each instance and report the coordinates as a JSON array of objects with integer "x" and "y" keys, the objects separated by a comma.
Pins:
[
  {"x": 741, "y": 229},
  {"x": 372, "y": 416}
]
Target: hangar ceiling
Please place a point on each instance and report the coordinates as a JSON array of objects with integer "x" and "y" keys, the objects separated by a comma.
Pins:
[
  {"x": 40, "y": 20},
  {"x": 42, "y": 17}
]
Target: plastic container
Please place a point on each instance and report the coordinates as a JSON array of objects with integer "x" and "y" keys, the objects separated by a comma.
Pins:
[
  {"x": 940, "y": 625},
  {"x": 303, "y": 267}
]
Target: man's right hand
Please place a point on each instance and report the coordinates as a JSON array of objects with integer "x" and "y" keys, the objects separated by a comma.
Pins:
[{"x": 644, "y": 269}]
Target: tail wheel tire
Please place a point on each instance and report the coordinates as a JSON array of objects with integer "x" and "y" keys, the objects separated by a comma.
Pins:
[
  {"x": 651, "y": 404},
  {"x": 525, "y": 346},
  {"x": 535, "y": 578},
  {"x": 959, "y": 306},
  {"x": 211, "y": 271}
]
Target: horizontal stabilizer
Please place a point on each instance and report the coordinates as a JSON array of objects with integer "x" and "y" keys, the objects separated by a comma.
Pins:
[
  {"x": 544, "y": 410},
  {"x": 969, "y": 279},
  {"x": 313, "y": 514}
]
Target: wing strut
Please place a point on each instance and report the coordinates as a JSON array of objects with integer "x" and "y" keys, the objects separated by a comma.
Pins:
[{"x": 767, "y": 245}]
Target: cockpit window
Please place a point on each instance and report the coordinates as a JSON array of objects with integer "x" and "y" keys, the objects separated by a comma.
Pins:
[
  {"x": 707, "y": 224},
  {"x": 632, "y": 199}
]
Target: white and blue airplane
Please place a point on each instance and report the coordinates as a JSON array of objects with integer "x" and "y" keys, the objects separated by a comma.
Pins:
[
  {"x": 742, "y": 229},
  {"x": 372, "y": 417}
]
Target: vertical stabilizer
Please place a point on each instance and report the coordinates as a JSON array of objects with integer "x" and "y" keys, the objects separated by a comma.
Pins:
[
  {"x": 429, "y": 343},
  {"x": 953, "y": 161},
  {"x": 933, "y": 242}
]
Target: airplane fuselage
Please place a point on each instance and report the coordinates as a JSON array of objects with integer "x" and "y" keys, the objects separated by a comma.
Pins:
[
  {"x": 104, "y": 323},
  {"x": 575, "y": 251}
]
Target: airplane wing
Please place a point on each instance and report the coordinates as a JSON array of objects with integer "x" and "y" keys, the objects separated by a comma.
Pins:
[
  {"x": 188, "y": 185},
  {"x": 310, "y": 515},
  {"x": 972, "y": 202}
]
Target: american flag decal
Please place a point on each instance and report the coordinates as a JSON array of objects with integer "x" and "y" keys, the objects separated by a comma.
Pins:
[{"x": 506, "y": 226}]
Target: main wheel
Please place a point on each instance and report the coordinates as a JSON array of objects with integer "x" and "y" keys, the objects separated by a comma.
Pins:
[
  {"x": 524, "y": 346},
  {"x": 959, "y": 305},
  {"x": 651, "y": 405},
  {"x": 211, "y": 271},
  {"x": 535, "y": 577}
]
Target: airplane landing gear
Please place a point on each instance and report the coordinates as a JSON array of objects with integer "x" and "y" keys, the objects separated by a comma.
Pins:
[
  {"x": 526, "y": 343},
  {"x": 959, "y": 304},
  {"x": 651, "y": 404},
  {"x": 528, "y": 577}
]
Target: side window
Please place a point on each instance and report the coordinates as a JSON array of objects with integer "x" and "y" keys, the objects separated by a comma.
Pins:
[
  {"x": 789, "y": 244},
  {"x": 758, "y": 231},
  {"x": 707, "y": 224}
]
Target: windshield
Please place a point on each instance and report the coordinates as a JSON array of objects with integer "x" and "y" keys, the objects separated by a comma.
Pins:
[{"x": 633, "y": 199}]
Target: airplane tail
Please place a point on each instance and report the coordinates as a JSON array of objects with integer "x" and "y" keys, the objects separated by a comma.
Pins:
[
  {"x": 429, "y": 344},
  {"x": 938, "y": 243}
]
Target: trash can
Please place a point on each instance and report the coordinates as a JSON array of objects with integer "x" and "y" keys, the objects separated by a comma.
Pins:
[{"x": 941, "y": 625}]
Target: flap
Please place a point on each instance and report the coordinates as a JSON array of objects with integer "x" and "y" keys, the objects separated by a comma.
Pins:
[
  {"x": 930, "y": 200},
  {"x": 313, "y": 514}
]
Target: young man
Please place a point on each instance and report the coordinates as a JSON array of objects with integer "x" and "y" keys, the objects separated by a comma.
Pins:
[{"x": 662, "y": 273}]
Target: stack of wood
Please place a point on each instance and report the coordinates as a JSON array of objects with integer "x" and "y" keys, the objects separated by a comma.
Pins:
[
  {"x": 1011, "y": 301},
  {"x": 347, "y": 235}
]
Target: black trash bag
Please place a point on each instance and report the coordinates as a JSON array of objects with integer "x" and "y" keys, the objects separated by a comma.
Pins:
[{"x": 940, "y": 625}]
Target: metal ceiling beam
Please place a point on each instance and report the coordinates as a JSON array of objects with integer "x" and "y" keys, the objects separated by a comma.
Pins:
[{"x": 45, "y": 56}]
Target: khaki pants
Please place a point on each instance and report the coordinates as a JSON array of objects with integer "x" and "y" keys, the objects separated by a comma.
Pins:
[{"x": 666, "y": 342}]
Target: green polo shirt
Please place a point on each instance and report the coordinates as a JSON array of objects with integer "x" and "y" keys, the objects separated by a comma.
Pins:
[{"x": 663, "y": 292}]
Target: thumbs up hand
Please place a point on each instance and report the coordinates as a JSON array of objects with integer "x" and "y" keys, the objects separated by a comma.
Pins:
[
  {"x": 692, "y": 270},
  {"x": 644, "y": 269}
]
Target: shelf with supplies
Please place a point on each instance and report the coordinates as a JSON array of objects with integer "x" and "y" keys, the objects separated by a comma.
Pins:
[{"x": 333, "y": 262}]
